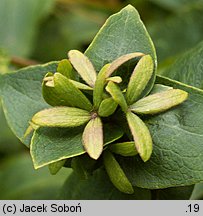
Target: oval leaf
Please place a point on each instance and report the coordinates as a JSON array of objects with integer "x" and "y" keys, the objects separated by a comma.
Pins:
[
  {"x": 159, "y": 102},
  {"x": 109, "y": 45},
  {"x": 124, "y": 148},
  {"x": 107, "y": 107},
  {"x": 99, "y": 86},
  {"x": 61, "y": 117},
  {"x": 93, "y": 138},
  {"x": 116, "y": 174},
  {"x": 139, "y": 78},
  {"x": 65, "y": 68},
  {"x": 83, "y": 66},
  {"x": 117, "y": 95},
  {"x": 64, "y": 93},
  {"x": 141, "y": 136}
]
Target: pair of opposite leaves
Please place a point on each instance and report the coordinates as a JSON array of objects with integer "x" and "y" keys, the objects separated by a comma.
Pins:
[{"x": 74, "y": 108}]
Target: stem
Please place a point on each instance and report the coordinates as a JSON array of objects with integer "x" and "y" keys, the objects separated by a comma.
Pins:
[{"x": 22, "y": 62}]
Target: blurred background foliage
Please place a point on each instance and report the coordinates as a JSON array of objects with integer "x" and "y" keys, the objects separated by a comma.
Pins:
[{"x": 35, "y": 31}]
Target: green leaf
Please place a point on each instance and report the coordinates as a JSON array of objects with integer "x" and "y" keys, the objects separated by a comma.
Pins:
[
  {"x": 159, "y": 88},
  {"x": 124, "y": 148},
  {"x": 116, "y": 174},
  {"x": 117, "y": 95},
  {"x": 31, "y": 184},
  {"x": 53, "y": 144},
  {"x": 56, "y": 166},
  {"x": 107, "y": 107},
  {"x": 141, "y": 136},
  {"x": 188, "y": 68},
  {"x": 21, "y": 91},
  {"x": 66, "y": 69},
  {"x": 99, "y": 86},
  {"x": 61, "y": 117},
  {"x": 177, "y": 135},
  {"x": 115, "y": 79},
  {"x": 108, "y": 44},
  {"x": 98, "y": 187},
  {"x": 60, "y": 91},
  {"x": 83, "y": 66},
  {"x": 139, "y": 79},
  {"x": 105, "y": 48},
  {"x": 93, "y": 138},
  {"x": 20, "y": 25},
  {"x": 56, "y": 95},
  {"x": 81, "y": 85},
  {"x": 159, "y": 102}
]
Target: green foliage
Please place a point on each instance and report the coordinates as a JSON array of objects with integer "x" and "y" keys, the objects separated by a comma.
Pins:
[
  {"x": 119, "y": 68},
  {"x": 23, "y": 88},
  {"x": 174, "y": 134},
  {"x": 135, "y": 38},
  {"x": 116, "y": 174},
  {"x": 53, "y": 144},
  {"x": 98, "y": 187}
]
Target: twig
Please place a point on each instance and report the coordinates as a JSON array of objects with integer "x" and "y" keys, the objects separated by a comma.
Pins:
[{"x": 22, "y": 62}]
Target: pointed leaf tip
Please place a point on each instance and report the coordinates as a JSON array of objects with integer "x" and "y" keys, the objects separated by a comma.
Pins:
[
  {"x": 93, "y": 138},
  {"x": 116, "y": 174},
  {"x": 141, "y": 136},
  {"x": 83, "y": 66}
]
